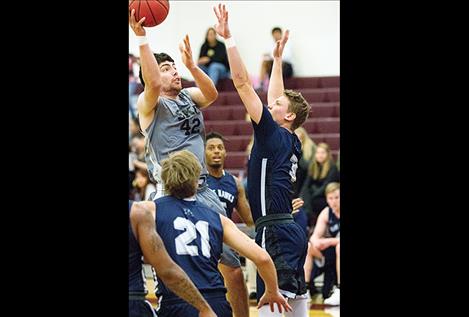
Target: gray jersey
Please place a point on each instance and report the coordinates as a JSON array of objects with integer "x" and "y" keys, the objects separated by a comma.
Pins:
[{"x": 177, "y": 125}]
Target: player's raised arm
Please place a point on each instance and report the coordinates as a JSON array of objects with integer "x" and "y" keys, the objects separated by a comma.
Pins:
[
  {"x": 148, "y": 99},
  {"x": 240, "y": 76}
]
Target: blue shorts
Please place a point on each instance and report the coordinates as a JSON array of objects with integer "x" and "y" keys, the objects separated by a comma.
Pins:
[
  {"x": 287, "y": 245},
  {"x": 178, "y": 307},
  {"x": 141, "y": 308}
]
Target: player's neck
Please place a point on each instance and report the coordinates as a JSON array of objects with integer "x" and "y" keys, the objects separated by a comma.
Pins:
[
  {"x": 215, "y": 172},
  {"x": 171, "y": 94},
  {"x": 287, "y": 126}
]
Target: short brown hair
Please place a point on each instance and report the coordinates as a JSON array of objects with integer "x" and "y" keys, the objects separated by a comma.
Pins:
[
  {"x": 180, "y": 173},
  {"x": 299, "y": 106}
]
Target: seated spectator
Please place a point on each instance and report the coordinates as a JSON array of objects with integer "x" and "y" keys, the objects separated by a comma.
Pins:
[
  {"x": 321, "y": 171},
  {"x": 324, "y": 247},
  {"x": 213, "y": 59}
]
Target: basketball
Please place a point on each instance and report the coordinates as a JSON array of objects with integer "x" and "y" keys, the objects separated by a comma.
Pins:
[{"x": 155, "y": 11}]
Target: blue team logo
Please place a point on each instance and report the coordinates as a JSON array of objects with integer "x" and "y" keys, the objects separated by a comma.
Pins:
[{"x": 188, "y": 212}]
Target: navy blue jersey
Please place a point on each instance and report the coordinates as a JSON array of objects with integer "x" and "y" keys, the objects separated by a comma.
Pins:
[
  {"x": 193, "y": 236},
  {"x": 333, "y": 223},
  {"x": 136, "y": 284},
  {"x": 226, "y": 189},
  {"x": 272, "y": 167}
]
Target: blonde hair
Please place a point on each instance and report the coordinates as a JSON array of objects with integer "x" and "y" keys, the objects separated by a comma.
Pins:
[
  {"x": 332, "y": 187},
  {"x": 299, "y": 106},
  {"x": 308, "y": 146},
  {"x": 180, "y": 173},
  {"x": 314, "y": 165}
]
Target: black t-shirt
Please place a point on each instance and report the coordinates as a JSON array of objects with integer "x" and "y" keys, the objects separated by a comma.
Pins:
[{"x": 216, "y": 53}]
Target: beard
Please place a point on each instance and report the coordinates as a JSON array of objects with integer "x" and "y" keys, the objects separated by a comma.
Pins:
[{"x": 215, "y": 165}]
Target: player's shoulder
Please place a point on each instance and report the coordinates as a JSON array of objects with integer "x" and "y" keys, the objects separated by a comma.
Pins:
[
  {"x": 164, "y": 200},
  {"x": 228, "y": 175},
  {"x": 142, "y": 210}
]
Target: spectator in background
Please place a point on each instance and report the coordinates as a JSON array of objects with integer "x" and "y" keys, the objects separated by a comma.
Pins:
[
  {"x": 142, "y": 185},
  {"x": 324, "y": 246},
  {"x": 213, "y": 59},
  {"x": 268, "y": 61},
  {"x": 138, "y": 147},
  {"x": 321, "y": 171},
  {"x": 132, "y": 86},
  {"x": 308, "y": 149},
  {"x": 338, "y": 161},
  {"x": 134, "y": 128}
]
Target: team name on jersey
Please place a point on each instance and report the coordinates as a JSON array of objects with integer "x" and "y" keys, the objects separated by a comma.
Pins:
[
  {"x": 186, "y": 112},
  {"x": 226, "y": 195}
]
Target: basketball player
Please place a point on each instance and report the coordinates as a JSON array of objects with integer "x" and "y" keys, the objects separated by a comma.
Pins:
[
  {"x": 144, "y": 241},
  {"x": 194, "y": 235},
  {"x": 230, "y": 190},
  {"x": 171, "y": 120},
  {"x": 272, "y": 168}
]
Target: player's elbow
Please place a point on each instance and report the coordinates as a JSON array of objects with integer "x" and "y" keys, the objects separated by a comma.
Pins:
[
  {"x": 263, "y": 259},
  {"x": 172, "y": 276},
  {"x": 212, "y": 96}
]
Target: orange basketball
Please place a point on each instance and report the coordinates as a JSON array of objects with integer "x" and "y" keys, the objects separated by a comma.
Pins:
[{"x": 155, "y": 11}]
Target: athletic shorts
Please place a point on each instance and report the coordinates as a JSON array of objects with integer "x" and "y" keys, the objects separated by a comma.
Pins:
[{"x": 287, "y": 245}]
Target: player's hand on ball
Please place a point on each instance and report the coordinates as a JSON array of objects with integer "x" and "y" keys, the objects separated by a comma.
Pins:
[{"x": 137, "y": 27}]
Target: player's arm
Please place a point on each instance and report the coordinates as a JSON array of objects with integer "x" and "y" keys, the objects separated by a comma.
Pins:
[
  {"x": 236, "y": 239},
  {"x": 240, "y": 75},
  {"x": 243, "y": 206},
  {"x": 155, "y": 253},
  {"x": 148, "y": 99},
  {"x": 205, "y": 93},
  {"x": 329, "y": 242},
  {"x": 320, "y": 230},
  {"x": 276, "y": 80}
]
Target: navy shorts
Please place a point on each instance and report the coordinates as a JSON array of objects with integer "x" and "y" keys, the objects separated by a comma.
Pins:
[
  {"x": 141, "y": 308},
  {"x": 179, "y": 308},
  {"x": 287, "y": 245}
]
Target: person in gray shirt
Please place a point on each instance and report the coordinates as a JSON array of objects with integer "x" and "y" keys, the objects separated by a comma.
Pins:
[{"x": 171, "y": 120}]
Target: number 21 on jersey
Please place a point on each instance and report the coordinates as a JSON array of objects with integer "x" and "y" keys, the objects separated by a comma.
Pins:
[{"x": 190, "y": 234}]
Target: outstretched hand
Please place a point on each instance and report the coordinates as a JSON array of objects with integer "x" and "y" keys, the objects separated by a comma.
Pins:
[
  {"x": 271, "y": 299},
  {"x": 137, "y": 27},
  {"x": 222, "y": 27},
  {"x": 186, "y": 52},
  {"x": 280, "y": 45}
]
